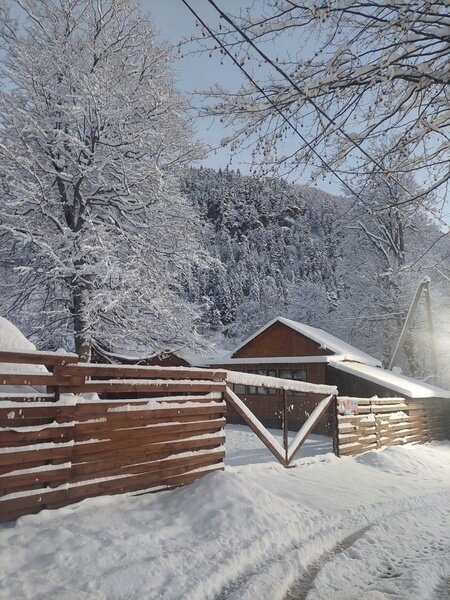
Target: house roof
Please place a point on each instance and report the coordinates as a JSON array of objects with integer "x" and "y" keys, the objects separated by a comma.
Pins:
[
  {"x": 406, "y": 386},
  {"x": 325, "y": 340}
]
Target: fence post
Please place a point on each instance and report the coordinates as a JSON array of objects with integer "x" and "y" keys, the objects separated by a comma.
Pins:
[
  {"x": 54, "y": 389},
  {"x": 285, "y": 425},
  {"x": 335, "y": 425}
]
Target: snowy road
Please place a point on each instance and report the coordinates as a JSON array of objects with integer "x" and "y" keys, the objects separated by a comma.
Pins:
[
  {"x": 403, "y": 556},
  {"x": 401, "y": 552},
  {"x": 255, "y": 531}
]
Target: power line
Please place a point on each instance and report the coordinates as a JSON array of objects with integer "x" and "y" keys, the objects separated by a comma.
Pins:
[
  {"x": 322, "y": 112},
  {"x": 272, "y": 103},
  {"x": 289, "y": 79}
]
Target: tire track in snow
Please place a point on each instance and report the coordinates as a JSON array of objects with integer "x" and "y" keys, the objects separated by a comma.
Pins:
[
  {"x": 408, "y": 550},
  {"x": 300, "y": 589},
  {"x": 443, "y": 591},
  {"x": 272, "y": 577}
]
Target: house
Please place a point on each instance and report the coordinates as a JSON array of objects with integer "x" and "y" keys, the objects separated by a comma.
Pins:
[{"x": 293, "y": 350}]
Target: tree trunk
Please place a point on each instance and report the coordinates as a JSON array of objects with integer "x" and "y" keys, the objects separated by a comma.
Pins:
[{"x": 83, "y": 345}]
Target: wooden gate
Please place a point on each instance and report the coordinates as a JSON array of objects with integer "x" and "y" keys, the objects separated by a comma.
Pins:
[{"x": 284, "y": 454}]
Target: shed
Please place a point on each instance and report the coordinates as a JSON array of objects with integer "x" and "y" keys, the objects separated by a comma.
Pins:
[{"x": 294, "y": 350}]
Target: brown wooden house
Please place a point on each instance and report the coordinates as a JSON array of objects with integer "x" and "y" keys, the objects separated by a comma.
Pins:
[{"x": 293, "y": 350}]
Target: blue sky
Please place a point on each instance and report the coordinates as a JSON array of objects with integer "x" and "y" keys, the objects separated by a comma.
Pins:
[{"x": 174, "y": 22}]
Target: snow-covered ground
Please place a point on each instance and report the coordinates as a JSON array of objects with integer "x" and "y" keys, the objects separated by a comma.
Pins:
[
  {"x": 244, "y": 448},
  {"x": 256, "y": 530}
]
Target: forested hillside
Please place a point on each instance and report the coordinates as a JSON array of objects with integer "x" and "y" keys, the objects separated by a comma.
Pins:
[{"x": 281, "y": 249}]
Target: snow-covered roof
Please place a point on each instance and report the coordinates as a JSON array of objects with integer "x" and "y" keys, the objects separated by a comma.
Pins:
[
  {"x": 406, "y": 386},
  {"x": 278, "y": 360},
  {"x": 13, "y": 340},
  {"x": 195, "y": 359},
  {"x": 204, "y": 360},
  {"x": 321, "y": 337}
]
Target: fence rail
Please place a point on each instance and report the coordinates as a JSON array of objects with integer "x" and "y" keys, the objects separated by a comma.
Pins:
[
  {"x": 381, "y": 422},
  {"x": 153, "y": 428}
]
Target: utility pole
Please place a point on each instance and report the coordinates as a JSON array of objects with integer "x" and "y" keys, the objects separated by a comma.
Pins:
[
  {"x": 424, "y": 287},
  {"x": 434, "y": 369}
]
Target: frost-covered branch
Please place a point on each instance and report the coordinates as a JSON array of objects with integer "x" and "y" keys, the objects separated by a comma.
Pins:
[{"x": 98, "y": 235}]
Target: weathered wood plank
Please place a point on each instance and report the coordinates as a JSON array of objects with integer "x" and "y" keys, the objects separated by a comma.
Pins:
[
  {"x": 37, "y": 358},
  {"x": 14, "y": 457},
  {"x": 145, "y": 454},
  {"x": 142, "y": 467},
  {"x": 15, "y": 483},
  {"x": 155, "y": 386},
  {"x": 27, "y": 379},
  {"x": 134, "y": 483},
  {"x": 144, "y": 372},
  {"x": 28, "y": 411},
  {"x": 22, "y": 437},
  {"x": 146, "y": 435},
  {"x": 82, "y": 452},
  {"x": 130, "y": 427},
  {"x": 138, "y": 413}
]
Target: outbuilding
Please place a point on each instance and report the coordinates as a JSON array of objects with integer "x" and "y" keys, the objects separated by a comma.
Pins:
[{"x": 293, "y": 350}]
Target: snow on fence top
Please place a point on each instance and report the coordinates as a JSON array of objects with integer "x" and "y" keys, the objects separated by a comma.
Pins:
[{"x": 277, "y": 383}]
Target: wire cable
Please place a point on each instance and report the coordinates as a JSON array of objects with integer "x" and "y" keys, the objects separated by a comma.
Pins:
[{"x": 278, "y": 110}]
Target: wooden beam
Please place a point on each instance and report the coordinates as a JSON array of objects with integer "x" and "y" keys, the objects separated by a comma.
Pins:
[
  {"x": 407, "y": 324},
  {"x": 264, "y": 381},
  {"x": 27, "y": 379},
  {"x": 285, "y": 425},
  {"x": 434, "y": 367},
  {"x": 143, "y": 372},
  {"x": 144, "y": 385},
  {"x": 255, "y": 425},
  {"x": 37, "y": 358},
  {"x": 308, "y": 426}
]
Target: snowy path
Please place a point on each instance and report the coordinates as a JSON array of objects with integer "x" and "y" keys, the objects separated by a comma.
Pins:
[
  {"x": 250, "y": 532},
  {"x": 375, "y": 553},
  {"x": 403, "y": 556}
]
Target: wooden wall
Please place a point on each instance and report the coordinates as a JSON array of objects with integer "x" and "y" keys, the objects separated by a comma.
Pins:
[{"x": 280, "y": 340}]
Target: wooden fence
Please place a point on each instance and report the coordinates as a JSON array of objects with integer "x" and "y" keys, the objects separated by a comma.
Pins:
[
  {"x": 70, "y": 430},
  {"x": 371, "y": 423},
  {"x": 156, "y": 428}
]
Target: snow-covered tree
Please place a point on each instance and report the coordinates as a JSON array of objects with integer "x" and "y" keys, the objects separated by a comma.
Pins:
[
  {"x": 340, "y": 78},
  {"x": 94, "y": 230},
  {"x": 298, "y": 252}
]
